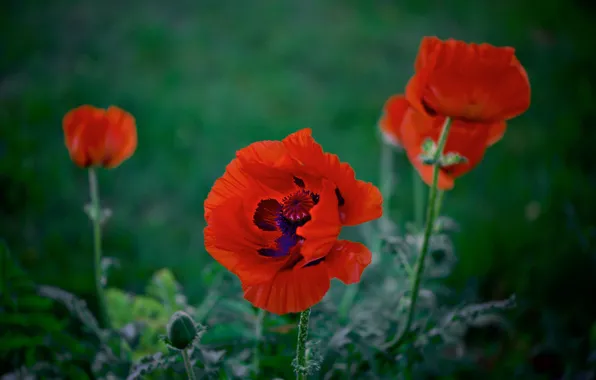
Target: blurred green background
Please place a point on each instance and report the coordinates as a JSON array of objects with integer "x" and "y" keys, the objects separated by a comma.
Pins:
[{"x": 205, "y": 78}]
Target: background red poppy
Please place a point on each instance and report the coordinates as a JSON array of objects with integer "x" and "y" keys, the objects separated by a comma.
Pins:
[
  {"x": 473, "y": 82},
  {"x": 98, "y": 137}
]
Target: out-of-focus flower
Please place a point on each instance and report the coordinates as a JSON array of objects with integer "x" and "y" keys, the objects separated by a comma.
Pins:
[
  {"x": 274, "y": 217},
  {"x": 469, "y": 82},
  {"x": 478, "y": 87},
  {"x": 99, "y": 137}
]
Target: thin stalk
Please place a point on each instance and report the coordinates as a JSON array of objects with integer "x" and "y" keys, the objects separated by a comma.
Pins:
[
  {"x": 431, "y": 214},
  {"x": 95, "y": 215},
  {"x": 386, "y": 176},
  {"x": 418, "y": 190},
  {"x": 438, "y": 204},
  {"x": 258, "y": 336},
  {"x": 187, "y": 364},
  {"x": 301, "y": 359},
  {"x": 387, "y": 181}
]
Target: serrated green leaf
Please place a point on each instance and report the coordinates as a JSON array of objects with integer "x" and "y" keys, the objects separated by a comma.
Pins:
[{"x": 76, "y": 306}]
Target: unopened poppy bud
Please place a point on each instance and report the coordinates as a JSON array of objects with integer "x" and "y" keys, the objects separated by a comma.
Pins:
[{"x": 182, "y": 330}]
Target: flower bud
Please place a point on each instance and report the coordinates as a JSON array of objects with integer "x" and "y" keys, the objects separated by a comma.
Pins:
[{"x": 182, "y": 330}]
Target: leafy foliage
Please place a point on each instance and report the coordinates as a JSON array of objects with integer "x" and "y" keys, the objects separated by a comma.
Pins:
[{"x": 34, "y": 336}]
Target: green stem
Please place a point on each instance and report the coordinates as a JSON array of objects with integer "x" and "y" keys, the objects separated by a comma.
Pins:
[
  {"x": 386, "y": 177},
  {"x": 258, "y": 336},
  {"x": 95, "y": 214},
  {"x": 418, "y": 189},
  {"x": 387, "y": 180},
  {"x": 188, "y": 366},
  {"x": 431, "y": 214},
  {"x": 301, "y": 359}
]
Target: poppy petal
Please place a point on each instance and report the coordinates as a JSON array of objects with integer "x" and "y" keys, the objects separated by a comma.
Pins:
[
  {"x": 393, "y": 114},
  {"x": 234, "y": 243},
  {"x": 347, "y": 260},
  {"x": 496, "y": 132},
  {"x": 290, "y": 291},
  {"x": 269, "y": 163},
  {"x": 427, "y": 53},
  {"x": 76, "y": 119},
  {"x": 95, "y": 136},
  {"x": 121, "y": 137},
  {"x": 444, "y": 182},
  {"x": 321, "y": 232},
  {"x": 83, "y": 132},
  {"x": 233, "y": 183},
  {"x": 477, "y": 82},
  {"x": 362, "y": 201}
]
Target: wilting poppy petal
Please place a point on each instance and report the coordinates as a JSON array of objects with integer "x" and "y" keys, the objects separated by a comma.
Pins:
[
  {"x": 347, "y": 260},
  {"x": 393, "y": 112},
  {"x": 359, "y": 201},
  {"x": 481, "y": 83},
  {"x": 290, "y": 291},
  {"x": 97, "y": 137}
]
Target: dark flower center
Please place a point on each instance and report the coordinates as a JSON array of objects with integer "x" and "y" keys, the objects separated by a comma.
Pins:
[
  {"x": 295, "y": 208},
  {"x": 286, "y": 216}
]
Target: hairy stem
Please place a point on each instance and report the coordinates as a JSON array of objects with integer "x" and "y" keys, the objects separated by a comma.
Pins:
[
  {"x": 95, "y": 214},
  {"x": 301, "y": 359},
  {"x": 418, "y": 190},
  {"x": 438, "y": 203},
  {"x": 258, "y": 336},
  {"x": 187, "y": 364},
  {"x": 431, "y": 214}
]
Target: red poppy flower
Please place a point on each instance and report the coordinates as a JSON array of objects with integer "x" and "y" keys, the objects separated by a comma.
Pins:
[
  {"x": 98, "y": 137},
  {"x": 479, "y": 83},
  {"x": 478, "y": 87},
  {"x": 412, "y": 128},
  {"x": 274, "y": 217}
]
